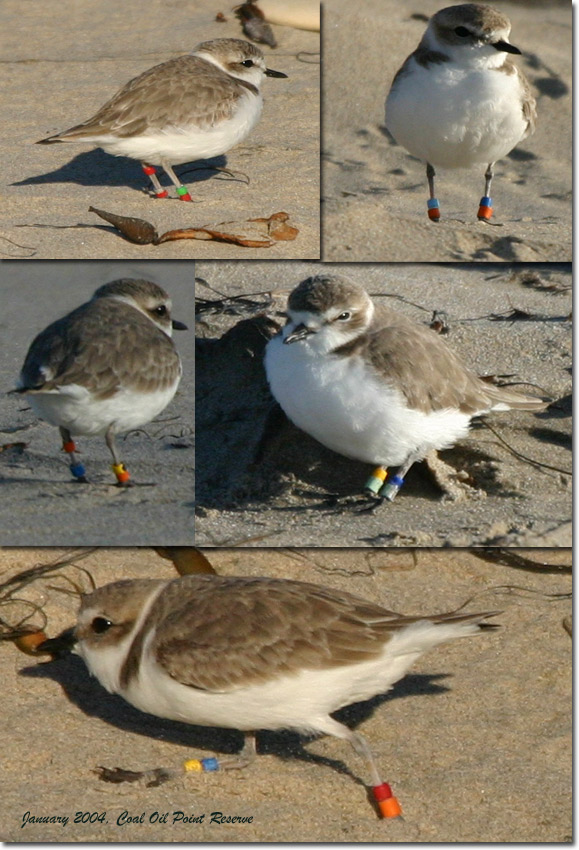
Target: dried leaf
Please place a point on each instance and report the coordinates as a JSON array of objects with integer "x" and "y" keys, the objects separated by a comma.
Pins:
[
  {"x": 186, "y": 559},
  {"x": 251, "y": 233},
  {"x": 134, "y": 229}
]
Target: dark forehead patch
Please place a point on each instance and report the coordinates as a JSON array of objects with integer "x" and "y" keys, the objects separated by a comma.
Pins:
[{"x": 318, "y": 293}]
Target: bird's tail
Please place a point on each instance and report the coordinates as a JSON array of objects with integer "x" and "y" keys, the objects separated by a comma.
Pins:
[{"x": 503, "y": 398}]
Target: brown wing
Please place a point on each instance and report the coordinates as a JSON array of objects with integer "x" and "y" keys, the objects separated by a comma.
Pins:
[
  {"x": 84, "y": 346},
  {"x": 180, "y": 90},
  {"x": 242, "y": 630},
  {"x": 399, "y": 346},
  {"x": 420, "y": 364},
  {"x": 529, "y": 104},
  {"x": 227, "y": 632}
]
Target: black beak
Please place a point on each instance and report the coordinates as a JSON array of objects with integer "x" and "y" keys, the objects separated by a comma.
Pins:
[
  {"x": 505, "y": 47},
  {"x": 60, "y": 645},
  {"x": 178, "y": 326},
  {"x": 299, "y": 332},
  {"x": 270, "y": 73}
]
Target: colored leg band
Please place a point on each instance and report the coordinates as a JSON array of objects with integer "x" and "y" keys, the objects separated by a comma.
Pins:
[
  {"x": 201, "y": 765},
  {"x": 485, "y": 209},
  {"x": 433, "y": 209},
  {"x": 183, "y": 193},
  {"x": 121, "y": 472},
  {"x": 77, "y": 470},
  {"x": 69, "y": 447},
  {"x": 387, "y": 802},
  {"x": 391, "y": 488},
  {"x": 376, "y": 480},
  {"x": 151, "y": 172}
]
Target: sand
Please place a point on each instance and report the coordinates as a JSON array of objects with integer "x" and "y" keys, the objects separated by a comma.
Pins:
[
  {"x": 41, "y": 503},
  {"x": 475, "y": 741},
  {"x": 289, "y": 497},
  {"x": 63, "y": 61},
  {"x": 375, "y": 192}
]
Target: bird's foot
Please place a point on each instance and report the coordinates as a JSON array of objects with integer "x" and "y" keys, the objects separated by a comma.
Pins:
[{"x": 453, "y": 483}]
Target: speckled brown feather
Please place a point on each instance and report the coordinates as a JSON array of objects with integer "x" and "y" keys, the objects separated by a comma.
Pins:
[
  {"x": 218, "y": 633},
  {"x": 83, "y": 348},
  {"x": 186, "y": 90},
  {"x": 429, "y": 374}
]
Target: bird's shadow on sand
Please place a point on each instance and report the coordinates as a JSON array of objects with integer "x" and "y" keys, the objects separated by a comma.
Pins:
[
  {"x": 88, "y": 695},
  {"x": 97, "y": 168}
]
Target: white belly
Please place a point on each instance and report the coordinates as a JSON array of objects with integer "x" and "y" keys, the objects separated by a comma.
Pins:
[
  {"x": 454, "y": 119},
  {"x": 300, "y": 701},
  {"x": 339, "y": 402},
  {"x": 72, "y": 407},
  {"x": 175, "y": 145}
]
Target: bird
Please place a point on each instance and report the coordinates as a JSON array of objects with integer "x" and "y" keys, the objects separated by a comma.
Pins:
[
  {"x": 108, "y": 366},
  {"x": 192, "y": 107},
  {"x": 252, "y": 653},
  {"x": 459, "y": 99},
  {"x": 373, "y": 385}
]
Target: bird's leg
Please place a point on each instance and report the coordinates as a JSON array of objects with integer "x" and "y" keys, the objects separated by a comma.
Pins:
[
  {"x": 244, "y": 758},
  {"x": 390, "y": 489},
  {"x": 151, "y": 173},
  {"x": 485, "y": 209},
  {"x": 76, "y": 467},
  {"x": 182, "y": 191},
  {"x": 432, "y": 203},
  {"x": 381, "y": 791},
  {"x": 376, "y": 481},
  {"x": 119, "y": 468},
  {"x": 387, "y": 803}
]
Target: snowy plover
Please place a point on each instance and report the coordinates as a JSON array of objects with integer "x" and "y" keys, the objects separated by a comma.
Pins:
[
  {"x": 459, "y": 99},
  {"x": 193, "y": 107},
  {"x": 109, "y": 366},
  {"x": 372, "y": 385},
  {"x": 252, "y": 653}
]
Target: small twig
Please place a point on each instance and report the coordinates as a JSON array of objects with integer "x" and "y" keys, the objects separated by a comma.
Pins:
[
  {"x": 511, "y": 558},
  {"x": 537, "y": 463}
]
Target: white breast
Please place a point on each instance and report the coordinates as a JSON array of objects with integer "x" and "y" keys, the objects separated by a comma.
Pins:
[
  {"x": 345, "y": 406},
  {"x": 455, "y": 117},
  {"x": 74, "y": 408},
  {"x": 177, "y": 144}
]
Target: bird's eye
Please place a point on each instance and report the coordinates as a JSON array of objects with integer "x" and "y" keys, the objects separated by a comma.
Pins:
[
  {"x": 248, "y": 63},
  {"x": 462, "y": 32},
  {"x": 100, "y": 625},
  {"x": 345, "y": 316},
  {"x": 161, "y": 310}
]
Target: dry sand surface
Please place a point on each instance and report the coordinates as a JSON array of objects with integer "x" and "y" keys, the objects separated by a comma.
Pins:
[
  {"x": 41, "y": 503},
  {"x": 63, "y": 60},
  {"x": 375, "y": 193},
  {"x": 476, "y": 740},
  {"x": 288, "y": 498}
]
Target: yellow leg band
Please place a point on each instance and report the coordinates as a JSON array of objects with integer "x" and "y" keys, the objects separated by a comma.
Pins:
[{"x": 121, "y": 472}]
